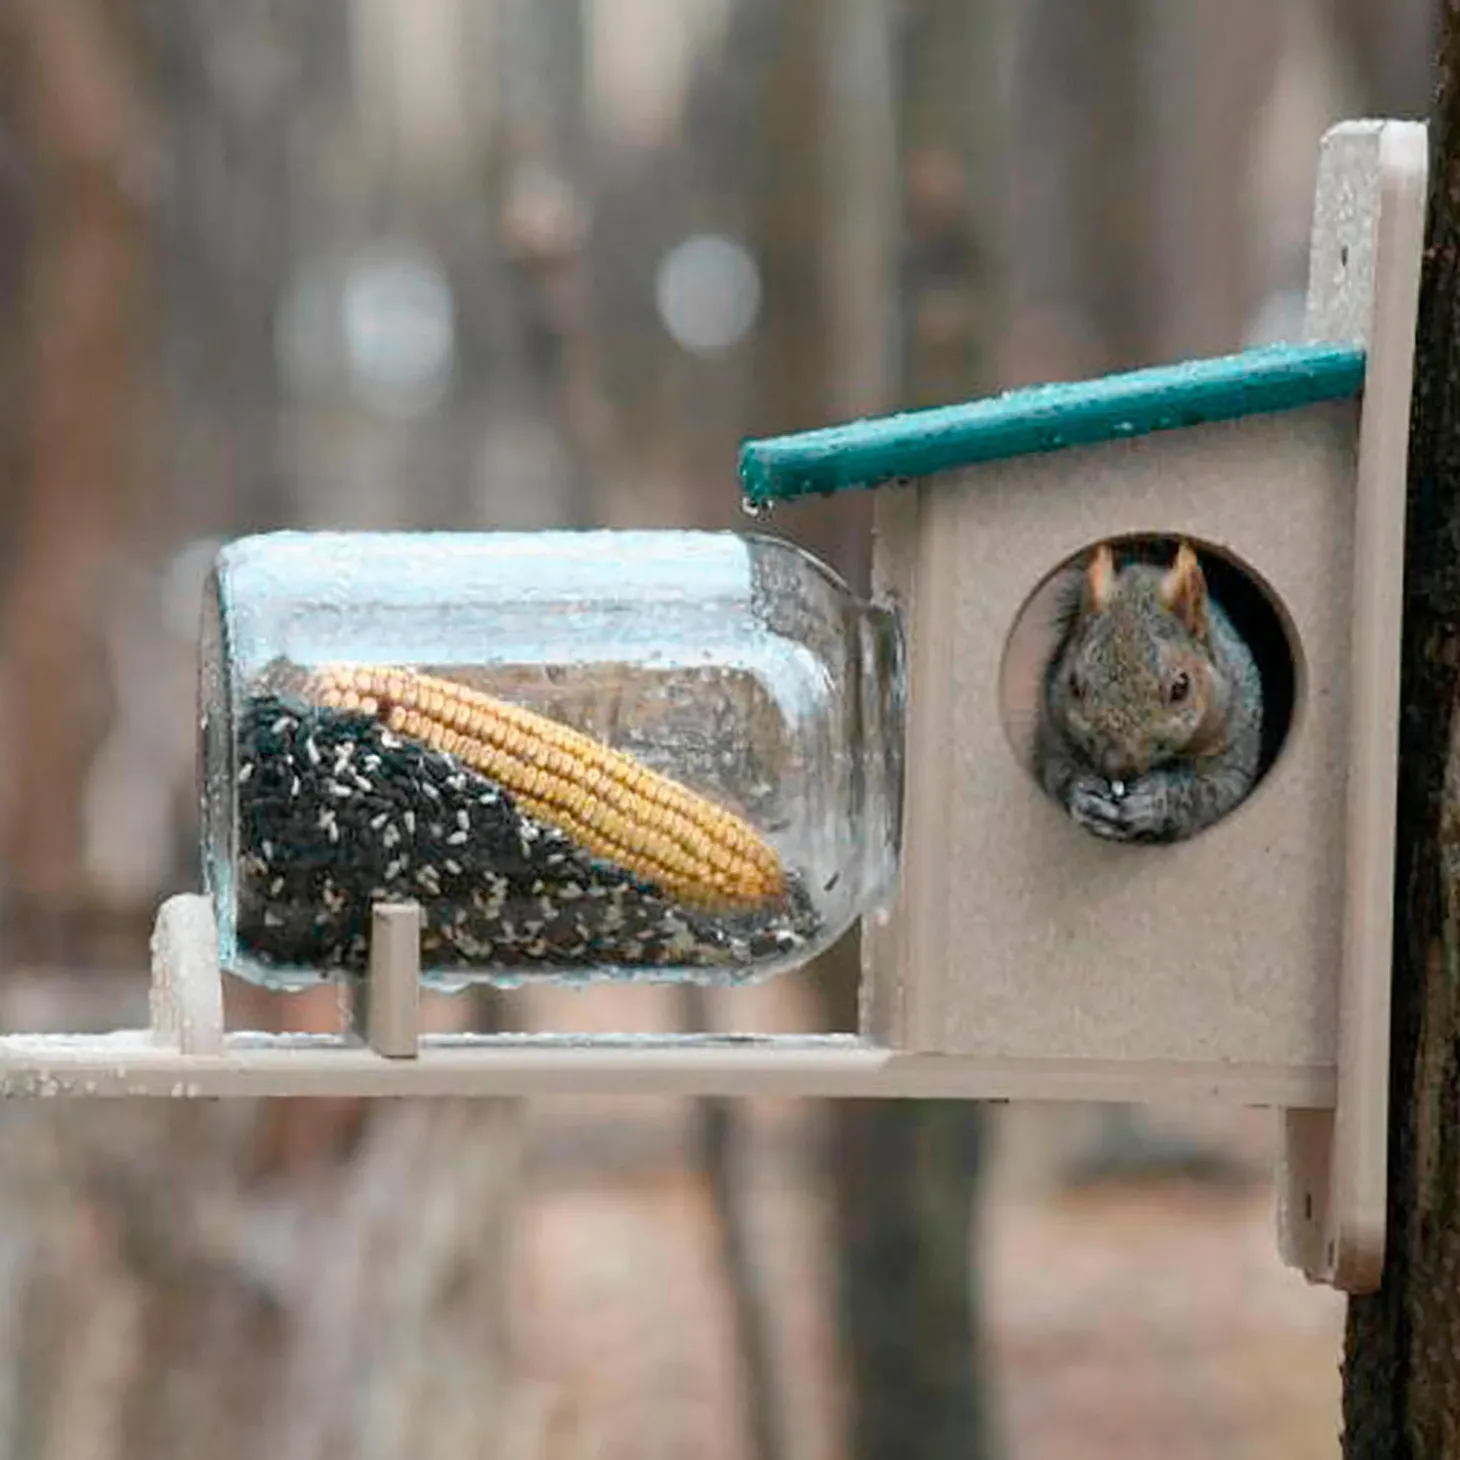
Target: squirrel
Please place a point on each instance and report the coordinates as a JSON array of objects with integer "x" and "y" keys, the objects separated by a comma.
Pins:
[{"x": 1150, "y": 724}]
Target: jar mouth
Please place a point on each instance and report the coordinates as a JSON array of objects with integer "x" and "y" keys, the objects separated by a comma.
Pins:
[
  {"x": 217, "y": 758},
  {"x": 882, "y": 738}
]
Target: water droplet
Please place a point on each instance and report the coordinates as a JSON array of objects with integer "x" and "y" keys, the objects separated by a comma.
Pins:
[{"x": 757, "y": 510}]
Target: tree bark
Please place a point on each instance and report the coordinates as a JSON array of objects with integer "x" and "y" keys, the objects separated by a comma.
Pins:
[
  {"x": 1389, "y": 44},
  {"x": 174, "y": 1284},
  {"x": 908, "y": 1173},
  {"x": 298, "y": 1279},
  {"x": 1402, "y": 1349},
  {"x": 86, "y": 267}
]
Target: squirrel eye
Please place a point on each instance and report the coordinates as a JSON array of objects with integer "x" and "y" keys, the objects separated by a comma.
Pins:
[
  {"x": 1179, "y": 687},
  {"x": 1076, "y": 685}
]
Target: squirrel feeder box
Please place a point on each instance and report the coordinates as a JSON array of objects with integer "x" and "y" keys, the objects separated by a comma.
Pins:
[
  {"x": 1253, "y": 957},
  {"x": 1054, "y": 903}
]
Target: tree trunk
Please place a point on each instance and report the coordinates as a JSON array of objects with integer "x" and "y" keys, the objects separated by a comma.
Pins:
[
  {"x": 86, "y": 262},
  {"x": 301, "y": 1279},
  {"x": 908, "y": 1172},
  {"x": 1402, "y": 1361},
  {"x": 176, "y": 1282},
  {"x": 1389, "y": 45}
]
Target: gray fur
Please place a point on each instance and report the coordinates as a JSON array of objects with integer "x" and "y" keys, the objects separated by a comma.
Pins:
[{"x": 1118, "y": 759}]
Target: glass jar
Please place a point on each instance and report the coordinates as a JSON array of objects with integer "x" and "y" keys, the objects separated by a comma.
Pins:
[{"x": 584, "y": 754}]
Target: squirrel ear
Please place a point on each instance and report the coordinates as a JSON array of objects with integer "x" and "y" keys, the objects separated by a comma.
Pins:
[
  {"x": 1099, "y": 579},
  {"x": 1184, "y": 591}
]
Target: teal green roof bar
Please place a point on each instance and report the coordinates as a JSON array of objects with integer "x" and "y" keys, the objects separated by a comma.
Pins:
[{"x": 1043, "y": 418}]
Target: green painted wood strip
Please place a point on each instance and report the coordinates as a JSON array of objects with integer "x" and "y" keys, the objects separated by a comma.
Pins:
[{"x": 1045, "y": 418}]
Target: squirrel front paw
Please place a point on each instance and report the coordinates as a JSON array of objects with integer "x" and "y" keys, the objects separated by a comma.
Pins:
[
  {"x": 1123, "y": 812},
  {"x": 1147, "y": 810},
  {"x": 1094, "y": 805}
]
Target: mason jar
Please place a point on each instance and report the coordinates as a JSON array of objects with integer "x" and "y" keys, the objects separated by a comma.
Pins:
[{"x": 583, "y": 754}]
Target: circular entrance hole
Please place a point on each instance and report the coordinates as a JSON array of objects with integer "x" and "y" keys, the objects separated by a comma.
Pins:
[{"x": 1253, "y": 608}]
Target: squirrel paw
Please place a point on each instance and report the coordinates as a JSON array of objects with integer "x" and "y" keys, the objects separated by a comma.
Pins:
[
  {"x": 1137, "y": 814},
  {"x": 1095, "y": 806}
]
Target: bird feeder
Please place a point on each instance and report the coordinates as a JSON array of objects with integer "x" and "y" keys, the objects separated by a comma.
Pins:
[
  {"x": 1250, "y": 962},
  {"x": 742, "y": 730}
]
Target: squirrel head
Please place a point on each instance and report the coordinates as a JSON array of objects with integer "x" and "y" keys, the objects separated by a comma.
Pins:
[{"x": 1135, "y": 684}]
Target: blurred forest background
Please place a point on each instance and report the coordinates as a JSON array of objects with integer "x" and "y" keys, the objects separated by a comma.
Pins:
[{"x": 535, "y": 263}]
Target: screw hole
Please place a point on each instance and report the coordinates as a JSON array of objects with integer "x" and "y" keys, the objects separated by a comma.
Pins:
[
  {"x": 1343, "y": 256},
  {"x": 1308, "y": 1206}
]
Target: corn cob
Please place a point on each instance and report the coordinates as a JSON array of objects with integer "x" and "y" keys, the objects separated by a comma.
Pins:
[{"x": 605, "y": 800}]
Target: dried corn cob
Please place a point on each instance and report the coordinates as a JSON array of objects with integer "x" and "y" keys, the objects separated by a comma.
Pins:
[{"x": 605, "y": 800}]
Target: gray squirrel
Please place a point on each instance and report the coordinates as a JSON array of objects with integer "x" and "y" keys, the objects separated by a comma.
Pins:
[{"x": 1150, "y": 725}]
